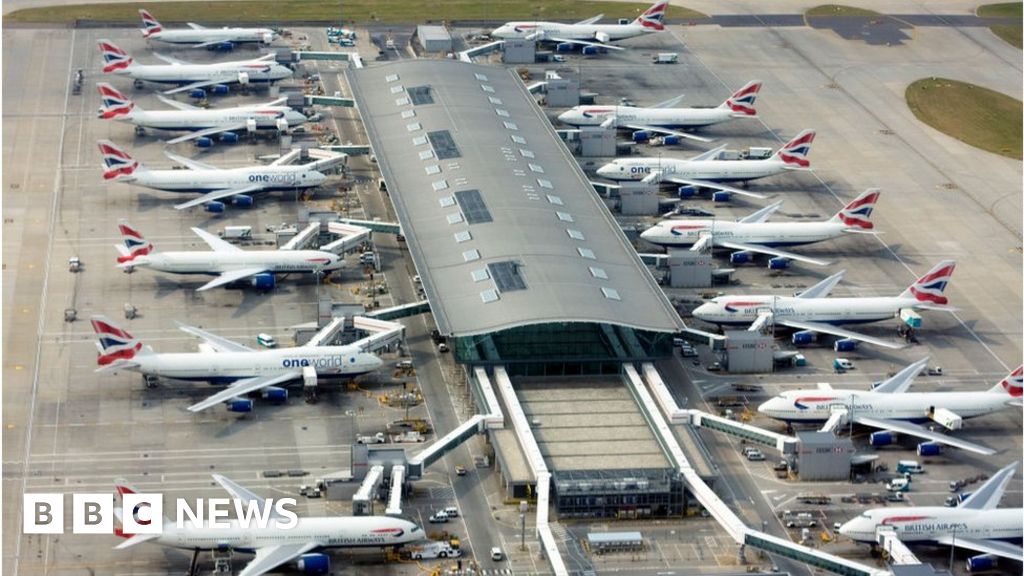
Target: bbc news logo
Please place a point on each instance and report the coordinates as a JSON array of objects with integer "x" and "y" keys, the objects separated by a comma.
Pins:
[{"x": 144, "y": 513}]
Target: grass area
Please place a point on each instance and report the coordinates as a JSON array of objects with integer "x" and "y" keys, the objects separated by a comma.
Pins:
[
  {"x": 977, "y": 116},
  {"x": 1007, "y": 10},
  {"x": 358, "y": 11},
  {"x": 840, "y": 10},
  {"x": 1010, "y": 33}
]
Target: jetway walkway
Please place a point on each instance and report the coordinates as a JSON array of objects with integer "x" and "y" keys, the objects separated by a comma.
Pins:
[
  {"x": 351, "y": 236},
  {"x": 895, "y": 548},
  {"x": 373, "y": 225},
  {"x": 540, "y": 469},
  {"x": 403, "y": 311},
  {"x": 468, "y": 55},
  {"x": 395, "y": 496},
  {"x": 352, "y": 57},
  {"x": 665, "y": 406},
  {"x": 349, "y": 149},
  {"x": 382, "y": 333},
  {"x": 362, "y": 500}
]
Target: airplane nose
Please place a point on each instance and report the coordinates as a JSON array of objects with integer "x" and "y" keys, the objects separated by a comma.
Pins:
[
  {"x": 649, "y": 233},
  {"x": 606, "y": 171},
  {"x": 703, "y": 311}
]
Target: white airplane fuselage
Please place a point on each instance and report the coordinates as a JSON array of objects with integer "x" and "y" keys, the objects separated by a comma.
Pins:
[
  {"x": 265, "y": 118},
  {"x": 231, "y": 366},
  {"x": 817, "y": 405},
  {"x": 229, "y": 72},
  {"x": 328, "y": 532},
  {"x": 658, "y": 117},
  {"x": 270, "y": 178},
  {"x": 711, "y": 170},
  {"x": 586, "y": 32},
  {"x": 212, "y": 262},
  {"x": 929, "y": 523},
  {"x": 207, "y": 35},
  {"x": 743, "y": 310},
  {"x": 773, "y": 234}
]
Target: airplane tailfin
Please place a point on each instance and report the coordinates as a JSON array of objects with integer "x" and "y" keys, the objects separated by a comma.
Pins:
[
  {"x": 133, "y": 243},
  {"x": 115, "y": 60},
  {"x": 121, "y": 488},
  {"x": 115, "y": 104},
  {"x": 150, "y": 25},
  {"x": 118, "y": 164},
  {"x": 114, "y": 342},
  {"x": 930, "y": 288},
  {"x": 857, "y": 214},
  {"x": 653, "y": 18},
  {"x": 742, "y": 101},
  {"x": 794, "y": 153},
  {"x": 1013, "y": 384}
]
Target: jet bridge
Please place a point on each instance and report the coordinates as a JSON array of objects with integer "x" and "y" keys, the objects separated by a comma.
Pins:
[
  {"x": 732, "y": 523},
  {"x": 351, "y": 236},
  {"x": 362, "y": 500},
  {"x": 352, "y": 57},
  {"x": 395, "y": 497},
  {"x": 373, "y": 225},
  {"x": 382, "y": 333},
  {"x": 303, "y": 238},
  {"x": 468, "y": 55},
  {"x": 894, "y": 547},
  {"x": 402, "y": 311}
]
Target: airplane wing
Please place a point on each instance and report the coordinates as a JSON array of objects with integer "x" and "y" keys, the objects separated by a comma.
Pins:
[
  {"x": 243, "y": 387},
  {"x": 195, "y": 26},
  {"x": 175, "y": 104},
  {"x": 670, "y": 102},
  {"x": 667, "y": 131},
  {"x": 714, "y": 185},
  {"x": 217, "y": 244},
  {"x": 994, "y": 547},
  {"x": 203, "y": 84},
  {"x": 170, "y": 60},
  {"x": 207, "y": 132},
  {"x": 841, "y": 332},
  {"x": 220, "y": 344},
  {"x": 987, "y": 496},
  {"x": 903, "y": 379},
  {"x": 117, "y": 366},
  {"x": 188, "y": 162},
  {"x": 270, "y": 557},
  {"x": 217, "y": 195},
  {"x": 242, "y": 493},
  {"x": 762, "y": 214},
  {"x": 710, "y": 154},
  {"x": 582, "y": 42},
  {"x": 771, "y": 252},
  {"x": 590, "y": 21},
  {"x": 823, "y": 288},
  {"x": 229, "y": 277},
  {"x": 909, "y": 429}
]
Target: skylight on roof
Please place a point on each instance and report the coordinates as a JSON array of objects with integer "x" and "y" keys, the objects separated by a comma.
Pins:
[
  {"x": 439, "y": 185},
  {"x": 487, "y": 88},
  {"x": 598, "y": 273},
  {"x": 463, "y": 236},
  {"x": 401, "y": 101},
  {"x": 545, "y": 184},
  {"x": 480, "y": 77},
  {"x": 432, "y": 169},
  {"x": 586, "y": 253},
  {"x": 575, "y": 234},
  {"x": 473, "y": 207},
  {"x": 556, "y": 200},
  {"x": 471, "y": 255},
  {"x": 501, "y": 112},
  {"x": 455, "y": 218},
  {"x": 419, "y": 141},
  {"x": 420, "y": 95},
  {"x": 511, "y": 125},
  {"x": 447, "y": 201},
  {"x": 444, "y": 144},
  {"x": 537, "y": 168},
  {"x": 480, "y": 274},
  {"x": 518, "y": 139},
  {"x": 391, "y": 77},
  {"x": 397, "y": 89},
  {"x": 506, "y": 276},
  {"x": 406, "y": 114},
  {"x": 489, "y": 296},
  {"x": 426, "y": 154},
  {"x": 527, "y": 153},
  {"x": 565, "y": 216},
  {"x": 495, "y": 100},
  {"x": 413, "y": 127},
  {"x": 610, "y": 293}
]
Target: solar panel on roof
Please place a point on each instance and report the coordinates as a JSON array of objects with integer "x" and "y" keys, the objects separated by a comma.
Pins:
[
  {"x": 420, "y": 95},
  {"x": 473, "y": 207},
  {"x": 444, "y": 145},
  {"x": 506, "y": 276}
]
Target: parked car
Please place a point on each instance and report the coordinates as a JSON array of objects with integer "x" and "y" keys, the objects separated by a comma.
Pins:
[
  {"x": 497, "y": 555},
  {"x": 439, "y": 517},
  {"x": 755, "y": 456},
  {"x": 460, "y": 470}
]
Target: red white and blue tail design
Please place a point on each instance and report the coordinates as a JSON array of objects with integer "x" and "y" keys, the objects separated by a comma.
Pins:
[
  {"x": 1013, "y": 384},
  {"x": 742, "y": 101},
  {"x": 654, "y": 17},
  {"x": 115, "y": 60},
  {"x": 857, "y": 214},
  {"x": 150, "y": 25},
  {"x": 930, "y": 288},
  {"x": 794, "y": 153},
  {"x": 115, "y": 104},
  {"x": 118, "y": 164},
  {"x": 134, "y": 244},
  {"x": 114, "y": 342}
]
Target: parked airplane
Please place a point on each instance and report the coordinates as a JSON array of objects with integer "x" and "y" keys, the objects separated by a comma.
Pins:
[
  {"x": 586, "y": 33},
  {"x": 228, "y": 262},
  {"x": 274, "y": 545},
  {"x": 976, "y": 524},
  {"x": 215, "y": 184},
  {"x": 190, "y": 76},
  {"x": 663, "y": 118},
  {"x": 705, "y": 171},
  {"x": 752, "y": 234},
  {"x": 202, "y": 37},
  {"x": 201, "y": 123},
  {"x": 224, "y": 361},
  {"x": 887, "y": 406},
  {"x": 811, "y": 311}
]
